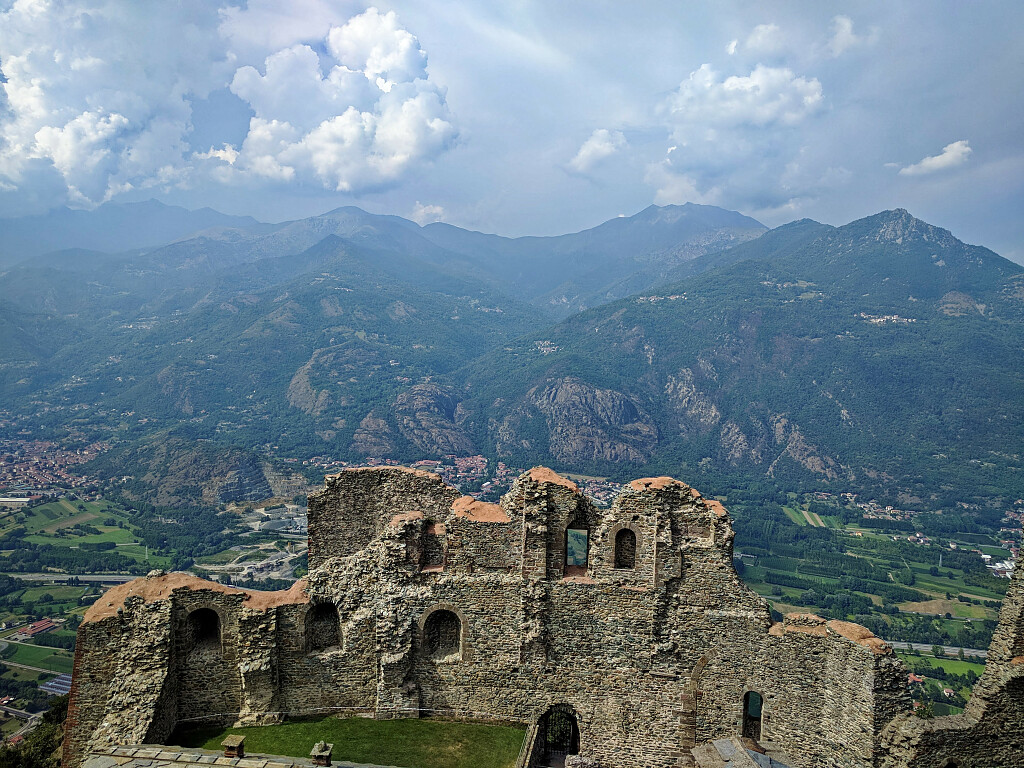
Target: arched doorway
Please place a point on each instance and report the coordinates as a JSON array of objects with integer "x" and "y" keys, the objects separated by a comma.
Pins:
[
  {"x": 752, "y": 705},
  {"x": 558, "y": 735}
]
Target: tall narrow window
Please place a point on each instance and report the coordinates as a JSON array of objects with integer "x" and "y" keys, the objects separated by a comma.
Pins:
[
  {"x": 433, "y": 548},
  {"x": 577, "y": 542},
  {"x": 322, "y": 627},
  {"x": 625, "y": 549}
]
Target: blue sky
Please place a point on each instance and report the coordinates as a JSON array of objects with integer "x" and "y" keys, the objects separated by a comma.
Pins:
[{"x": 520, "y": 117}]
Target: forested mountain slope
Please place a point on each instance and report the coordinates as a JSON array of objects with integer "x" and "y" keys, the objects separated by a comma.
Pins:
[{"x": 885, "y": 351}]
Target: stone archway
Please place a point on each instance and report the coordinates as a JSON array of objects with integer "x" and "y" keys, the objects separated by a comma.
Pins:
[{"x": 558, "y": 735}]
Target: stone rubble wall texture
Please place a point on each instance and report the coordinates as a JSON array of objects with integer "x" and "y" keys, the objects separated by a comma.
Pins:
[{"x": 652, "y": 659}]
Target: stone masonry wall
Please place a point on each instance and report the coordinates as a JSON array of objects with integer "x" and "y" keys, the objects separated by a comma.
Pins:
[{"x": 651, "y": 659}]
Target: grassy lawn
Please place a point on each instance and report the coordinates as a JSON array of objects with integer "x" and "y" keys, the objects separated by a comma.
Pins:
[
  {"x": 220, "y": 558},
  {"x": 952, "y": 665},
  {"x": 45, "y": 658},
  {"x": 13, "y": 673},
  {"x": 9, "y": 724},
  {"x": 408, "y": 743},
  {"x": 61, "y": 593},
  {"x": 54, "y": 524}
]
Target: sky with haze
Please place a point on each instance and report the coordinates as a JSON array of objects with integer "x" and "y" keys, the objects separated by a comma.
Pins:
[{"x": 519, "y": 117}]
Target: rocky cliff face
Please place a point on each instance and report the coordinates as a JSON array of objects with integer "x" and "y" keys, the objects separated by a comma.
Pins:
[
  {"x": 586, "y": 423},
  {"x": 429, "y": 417}
]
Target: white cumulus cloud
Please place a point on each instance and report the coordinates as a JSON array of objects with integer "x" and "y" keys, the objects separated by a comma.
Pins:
[
  {"x": 951, "y": 156},
  {"x": 601, "y": 144},
  {"x": 97, "y": 97},
  {"x": 764, "y": 38},
  {"x": 735, "y": 137},
  {"x": 99, "y": 92}
]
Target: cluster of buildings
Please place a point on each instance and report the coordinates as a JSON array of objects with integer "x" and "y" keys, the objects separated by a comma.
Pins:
[
  {"x": 458, "y": 470},
  {"x": 1002, "y": 569},
  {"x": 35, "y": 628},
  {"x": 655, "y": 299},
  {"x": 883, "y": 319},
  {"x": 28, "y": 466}
]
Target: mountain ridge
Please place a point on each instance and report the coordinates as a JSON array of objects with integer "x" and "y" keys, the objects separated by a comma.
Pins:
[{"x": 807, "y": 354}]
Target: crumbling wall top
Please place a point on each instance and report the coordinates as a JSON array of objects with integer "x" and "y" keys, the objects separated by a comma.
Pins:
[
  {"x": 479, "y": 511},
  {"x": 655, "y": 483},
  {"x": 160, "y": 586},
  {"x": 812, "y": 624},
  {"x": 545, "y": 475}
]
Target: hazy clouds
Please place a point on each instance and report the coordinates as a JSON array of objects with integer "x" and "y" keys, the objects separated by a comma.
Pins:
[{"x": 531, "y": 117}]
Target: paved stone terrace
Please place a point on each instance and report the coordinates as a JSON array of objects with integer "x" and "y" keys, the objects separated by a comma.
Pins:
[{"x": 156, "y": 756}]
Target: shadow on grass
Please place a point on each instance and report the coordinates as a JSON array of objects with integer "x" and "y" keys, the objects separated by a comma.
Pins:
[{"x": 405, "y": 743}]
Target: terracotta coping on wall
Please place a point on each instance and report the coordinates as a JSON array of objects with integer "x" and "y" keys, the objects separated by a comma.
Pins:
[
  {"x": 810, "y": 624},
  {"x": 654, "y": 483},
  {"x": 1017, "y": 660},
  {"x": 716, "y": 506},
  {"x": 405, "y": 517},
  {"x": 860, "y": 635},
  {"x": 545, "y": 475},
  {"x": 154, "y": 588},
  {"x": 479, "y": 511}
]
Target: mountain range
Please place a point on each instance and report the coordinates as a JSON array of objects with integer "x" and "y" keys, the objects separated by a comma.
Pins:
[{"x": 882, "y": 355}]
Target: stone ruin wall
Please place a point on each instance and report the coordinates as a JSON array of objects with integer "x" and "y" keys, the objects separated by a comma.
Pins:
[{"x": 653, "y": 659}]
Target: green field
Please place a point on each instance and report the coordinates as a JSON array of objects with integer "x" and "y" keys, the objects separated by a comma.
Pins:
[
  {"x": 809, "y": 555},
  {"x": 794, "y": 515},
  {"x": 38, "y": 656},
  {"x": 952, "y": 665},
  {"x": 81, "y": 525},
  {"x": 419, "y": 743},
  {"x": 9, "y": 725},
  {"x": 14, "y": 673}
]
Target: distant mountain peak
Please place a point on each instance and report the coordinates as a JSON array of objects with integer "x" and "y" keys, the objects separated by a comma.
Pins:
[{"x": 899, "y": 226}]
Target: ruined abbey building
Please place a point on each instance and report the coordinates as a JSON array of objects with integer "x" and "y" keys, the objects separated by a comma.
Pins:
[{"x": 622, "y": 635}]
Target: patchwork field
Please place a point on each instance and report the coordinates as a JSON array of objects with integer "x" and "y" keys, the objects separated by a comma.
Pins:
[{"x": 82, "y": 525}]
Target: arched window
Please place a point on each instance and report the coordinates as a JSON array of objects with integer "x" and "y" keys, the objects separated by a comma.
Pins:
[
  {"x": 322, "y": 627},
  {"x": 442, "y": 635},
  {"x": 752, "y": 705},
  {"x": 625, "y": 549},
  {"x": 203, "y": 630}
]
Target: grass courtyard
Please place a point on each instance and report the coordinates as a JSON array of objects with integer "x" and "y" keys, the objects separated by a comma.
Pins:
[{"x": 406, "y": 743}]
